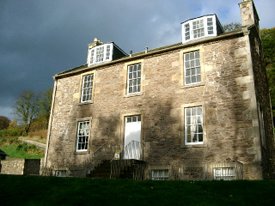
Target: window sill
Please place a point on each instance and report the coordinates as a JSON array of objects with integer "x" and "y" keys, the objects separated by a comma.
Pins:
[
  {"x": 84, "y": 152},
  {"x": 197, "y": 145},
  {"x": 85, "y": 103},
  {"x": 133, "y": 95},
  {"x": 187, "y": 86}
]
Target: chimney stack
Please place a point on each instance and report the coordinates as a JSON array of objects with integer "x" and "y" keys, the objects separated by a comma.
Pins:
[
  {"x": 95, "y": 43},
  {"x": 249, "y": 14}
]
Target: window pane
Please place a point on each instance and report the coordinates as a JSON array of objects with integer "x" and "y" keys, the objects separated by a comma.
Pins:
[
  {"x": 134, "y": 78},
  {"x": 87, "y": 88},
  {"x": 192, "y": 67},
  {"x": 83, "y": 135},
  {"x": 193, "y": 125},
  {"x": 224, "y": 173}
]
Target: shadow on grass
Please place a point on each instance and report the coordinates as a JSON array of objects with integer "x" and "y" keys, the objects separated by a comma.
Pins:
[{"x": 26, "y": 190}]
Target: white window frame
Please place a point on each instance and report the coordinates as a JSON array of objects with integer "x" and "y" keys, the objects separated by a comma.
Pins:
[
  {"x": 159, "y": 174},
  {"x": 61, "y": 173},
  {"x": 83, "y": 137},
  {"x": 198, "y": 28},
  {"x": 87, "y": 88},
  {"x": 134, "y": 78},
  {"x": 224, "y": 173},
  {"x": 192, "y": 124},
  {"x": 100, "y": 54},
  {"x": 188, "y": 33},
  {"x": 192, "y": 67}
]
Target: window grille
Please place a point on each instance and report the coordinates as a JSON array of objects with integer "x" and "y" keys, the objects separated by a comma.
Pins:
[
  {"x": 100, "y": 54},
  {"x": 187, "y": 32},
  {"x": 83, "y": 133},
  {"x": 134, "y": 78},
  {"x": 193, "y": 125},
  {"x": 162, "y": 174},
  {"x": 198, "y": 28},
  {"x": 192, "y": 67},
  {"x": 87, "y": 88},
  {"x": 224, "y": 173},
  {"x": 210, "y": 27}
]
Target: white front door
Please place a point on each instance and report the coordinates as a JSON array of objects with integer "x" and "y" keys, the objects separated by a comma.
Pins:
[{"x": 132, "y": 146}]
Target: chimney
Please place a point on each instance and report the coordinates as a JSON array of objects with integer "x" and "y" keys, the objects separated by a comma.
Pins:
[
  {"x": 95, "y": 43},
  {"x": 249, "y": 14}
]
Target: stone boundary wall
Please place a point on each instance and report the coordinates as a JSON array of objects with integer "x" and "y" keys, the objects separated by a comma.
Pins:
[{"x": 20, "y": 166}]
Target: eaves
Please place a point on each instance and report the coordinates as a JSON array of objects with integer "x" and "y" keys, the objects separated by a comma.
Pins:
[{"x": 141, "y": 55}]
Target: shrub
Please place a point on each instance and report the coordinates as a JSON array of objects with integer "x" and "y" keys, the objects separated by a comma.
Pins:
[
  {"x": 11, "y": 132},
  {"x": 22, "y": 147}
]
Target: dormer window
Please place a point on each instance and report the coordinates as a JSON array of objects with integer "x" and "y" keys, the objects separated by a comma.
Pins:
[
  {"x": 205, "y": 26},
  {"x": 98, "y": 52}
]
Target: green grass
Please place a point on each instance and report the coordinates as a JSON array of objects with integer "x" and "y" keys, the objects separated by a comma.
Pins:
[
  {"x": 17, "y": 149},
  {"x": 27, "y": 190}
]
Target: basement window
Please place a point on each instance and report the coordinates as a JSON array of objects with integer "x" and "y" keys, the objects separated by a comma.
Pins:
[
  {"x": 61, "y": 173},
  {"x": 224, "y": 173},
  {"x": 162, "y": 174}
]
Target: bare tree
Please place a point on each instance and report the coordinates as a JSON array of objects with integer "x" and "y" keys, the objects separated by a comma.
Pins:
[
  {"x": 45, "y": 101},
  {"x": 232, "y": 27},
  {"x": 26, "y": 108}
]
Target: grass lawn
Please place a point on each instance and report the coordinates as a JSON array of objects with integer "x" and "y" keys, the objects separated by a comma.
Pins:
[
  {"x": 16, "y": 149},
  {"x": 13, "y": 151},
  {"x": 32, "y": 190}
]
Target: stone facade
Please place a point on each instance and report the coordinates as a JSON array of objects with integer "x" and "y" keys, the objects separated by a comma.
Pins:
[{"x": 232, "y": 93}]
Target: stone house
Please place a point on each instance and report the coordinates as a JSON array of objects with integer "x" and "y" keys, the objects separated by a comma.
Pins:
[{"x": 198, "y": 109}]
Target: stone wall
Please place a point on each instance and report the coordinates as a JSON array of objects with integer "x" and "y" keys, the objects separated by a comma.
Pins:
[
  {"x": 12, "y": 166},
  {"x": 20, "y": 166}
]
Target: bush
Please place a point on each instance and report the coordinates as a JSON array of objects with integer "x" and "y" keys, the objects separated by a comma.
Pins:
[
  {"x": 11, "y": 132},
  {"x": 22, "y": 147},
  {"x": 39, "y": 133}
]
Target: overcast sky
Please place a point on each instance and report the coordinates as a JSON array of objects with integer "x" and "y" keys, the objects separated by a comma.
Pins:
[{"x": 39, "y": 38}]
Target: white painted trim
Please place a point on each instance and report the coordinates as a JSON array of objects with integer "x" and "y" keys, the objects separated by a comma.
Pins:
[
  {"x": 89, "y": 136},
  {"x": 94, "y": 51},
  {"x": 190, "y": 23}
]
